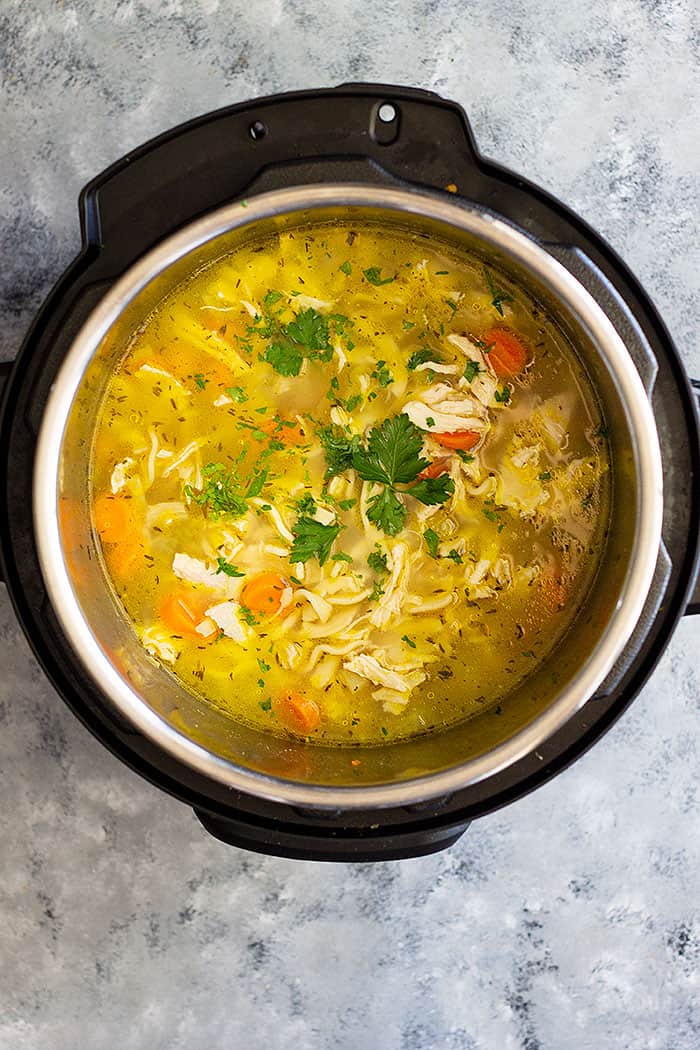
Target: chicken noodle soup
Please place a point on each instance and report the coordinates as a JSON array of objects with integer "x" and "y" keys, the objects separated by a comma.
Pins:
[{"x": 349, "y": 484}]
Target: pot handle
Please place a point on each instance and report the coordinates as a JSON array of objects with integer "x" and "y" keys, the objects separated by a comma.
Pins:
[
  {"x": 314, "y": 842},
  {"x": 693, "y": 607}
]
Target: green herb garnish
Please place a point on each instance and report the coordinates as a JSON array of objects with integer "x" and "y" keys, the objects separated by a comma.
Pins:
[
  {"x": 227, "y": 568},
  {"x": 374, "y": 276},
  {"x": 377, "y": 560},
  {"x": 502, "y": 396},
  {"x": 237, "y": 393},
  {"x": 338, "y": 445},
  {"x": 419, "y": 357},
  {"x": 408, "y": 641},
  {"x": 342, "y": 556},
  {"x": 220, "y": 494},
  {"x": 472, "y": 370},
  {"x": 408, "y": 325},
  {"x": 544, "y": 476},
  {"x": 382, "y": 374},
  {"x": 498, "y": 297},
  {"x": 346, "y": 504},
  {"x": 200, "y": 380},
  {"x": 346, "y": 268},
  {"x": 312, "y": 540},
  {"x": 431, "y": 539}
]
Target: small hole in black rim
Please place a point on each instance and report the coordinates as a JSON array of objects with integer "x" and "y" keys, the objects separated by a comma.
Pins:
[
  {"x": 257, "y": 130},
  {"x": 387, "y": 113}
]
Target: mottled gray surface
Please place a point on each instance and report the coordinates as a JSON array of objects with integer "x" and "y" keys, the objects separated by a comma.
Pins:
[{"x": 569, "y": 921}]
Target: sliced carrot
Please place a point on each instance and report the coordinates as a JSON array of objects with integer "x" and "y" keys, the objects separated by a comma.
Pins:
[
  {"x": 289, "y": 432},
  {"x": 297, "y": 712},
  {"x": 181, "y": 610},
  {"x": 507, "y": 355},
  {"x": 458, "y": 439},
  {"x": 122, "y": 558},
  {"x": 115, "y": 517},
  {"x": 436, "y": 468},
  {"x": 263, "y": 593}
]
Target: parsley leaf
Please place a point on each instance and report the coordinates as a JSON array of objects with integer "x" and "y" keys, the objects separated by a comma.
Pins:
[
  {"x": 393, "y": 453},
  {"x": 307, "y": 504},
  {"x": 346, "y": 504},
  {"x": 472, "y": 370},
  {"x": 382, "y": 374},
  {"x": 377, "y": 592},
  {"x": 287, "y": 360},
  {"x": 200, "y": 380},
  {"x": 544, "y": 476},
  {"x": 455, "y": 556},
  {"x": 431, "y": 539},
  {"x": 377, "y": 560},
  {"x": 257, "y": 484},
  {"x": 237, "y": 393},
  {"x": 431, "y": 491},
  {"x": 387, "y": 512},
  {"x": 408, "y": 641},
  {"x": 312, "y": 540},
  {"x": 466, "y": 457},
  {"x": 374, "y": 275},
  {"x": 220, "y": 493},
  {"x": 502, "y": 396},
  {"x": 342, "y": 556},
  {"x": 309, "y": 329},
  {"x": 272, "y": 297},
  {"x": 407, "y": 325},
  {"x": 498, "y": 297},
  {"x": 227, "y": 568},
  {"x": 338, "y": 445},
  {"x": 419, "y": 357},
  {"x": 346, "y": 268}
]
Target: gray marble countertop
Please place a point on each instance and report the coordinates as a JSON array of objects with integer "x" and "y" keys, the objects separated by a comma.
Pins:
[{"x": 568, "y": 921}]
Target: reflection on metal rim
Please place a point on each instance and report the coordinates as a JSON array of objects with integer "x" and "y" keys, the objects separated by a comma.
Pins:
[{"x": 494, "y": 233}]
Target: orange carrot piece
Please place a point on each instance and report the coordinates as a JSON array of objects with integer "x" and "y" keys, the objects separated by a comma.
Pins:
[
  {"x": 288, "y": 435},
  {"x": 116, "y": 517},
  {"x": 436, "y": 468},
  {"x": 508, "y": 356},
  {"x": 263, "y": 593},
  {"x": 458, "y": 439},
  {"x": 181, "y": 610},
  {"x": 297, "y": 712}
]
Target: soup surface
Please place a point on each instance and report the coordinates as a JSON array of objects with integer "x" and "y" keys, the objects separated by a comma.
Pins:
[{"x": 350, "y": 485}]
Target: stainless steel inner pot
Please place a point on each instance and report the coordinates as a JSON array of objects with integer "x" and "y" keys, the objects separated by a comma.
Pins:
[{"x": 313, "y": 775}]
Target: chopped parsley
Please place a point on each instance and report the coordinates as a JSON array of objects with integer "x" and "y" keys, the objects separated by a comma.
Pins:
[
  {"x": 377, "y": 592},
  {"x": 237, "y": 393},
  {"x": 452, "y": 305},
  {"x": 346, "y": 504},
  {"x": 256, "y": 485},
  {"x": 346, "y": 268},
  {"x": 419, "y": 357},
  {"x": 374, "y": 276},
  {"x": 382, "y": 374},
  {"x": 408, "y": 325},
  {"x": 312, "y": 540},
  {"x": 431, "y": 539},
  {"x": 387, "y": 512},
  {"x": 502, "y": 396},
  {"x": 272, "y": 297},
  {"x": 544, "y": 476},
  {"x": 338, "y": 445},
  {"x": 408, "y": 641},
  {"x": 429, "y": 421},
  {"x": 227, "y": 568},
  {"x": 200, "y": 380},
  {"x": 342, "y": 556},
  {"x": 263, "y": 666},
  {"x": 266, "y": 705},
  {"x": 498, "y": 296},
  {"x": 466, "y": 457},
  {"x": 455, "y": 556},
  {"x": 490, "y": 514},
  {"x": 307, "y": 336},
  {"x": 472, "y": 370},
  {"x": 377, "y": 560},
  {"x": 220, "y": 494},
  {"x": 307, "y": 504}
]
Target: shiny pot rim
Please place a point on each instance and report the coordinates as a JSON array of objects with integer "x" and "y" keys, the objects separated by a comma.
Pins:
[{"x": 493, "y": 232}]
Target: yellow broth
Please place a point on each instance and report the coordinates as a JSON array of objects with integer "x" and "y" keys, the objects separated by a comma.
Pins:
[{"x": 253, "y": 468}]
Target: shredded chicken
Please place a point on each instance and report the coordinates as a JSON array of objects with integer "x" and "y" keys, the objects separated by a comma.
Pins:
[
  {"x": 225, "y": 616},
  {"x": 368, "y": 667}
]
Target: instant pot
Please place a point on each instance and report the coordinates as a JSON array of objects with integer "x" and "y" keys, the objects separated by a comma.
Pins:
[{"x": 392, "y": 156}]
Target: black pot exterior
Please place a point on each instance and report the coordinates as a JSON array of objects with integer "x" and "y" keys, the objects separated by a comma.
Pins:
[{"x": 314, "y": 137}]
